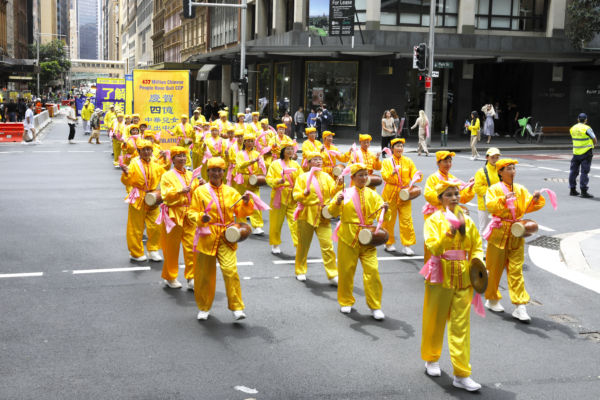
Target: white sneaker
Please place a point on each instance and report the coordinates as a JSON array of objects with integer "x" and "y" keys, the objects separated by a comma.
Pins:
[
  {"x": 38, "y": 141},
  {"x": 389, "y": 248},
  {"x": 301, "y": 278},
  {"x": 203, "y": 315},
  {"x": 333, "y": 281},
  {"x": 239, "y": 314},
  {"x": 142, "y": 258},
  {"x": 275, "y": 249},
  {"x": 378, "y": 314},
  {"x": 117, "y": 166},
  {"x": 24, "y": 143},
  {"x": 466, "y": 383},
  {"x": 521, "y": 313},
  {"x": 174, "y": 284},
  {"x": 494, "y": 305},
  {"x": 472, "y": 158},
  {"x": 190, "y": 284},
  {"x": 408, "y": 251},
  {"x": 433, "y": 368},
  {"x": 71, "y": 141},
  {"x": 258, "y": 231},
  {"x": 346, "y": 310},
  {"x": 154, "y": 256}
]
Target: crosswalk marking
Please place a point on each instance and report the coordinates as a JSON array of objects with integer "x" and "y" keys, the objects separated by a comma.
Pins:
[
  {"x": 97, "y": 271},
  {"x": 46, "y": 151},
  {"x": 550, "y": 169},
  {"x": 545, "y": 228},
  {"x": 320, "y": 260},
  {"x": 182, "y": 266},
  {"x": 21, "y": 275}
]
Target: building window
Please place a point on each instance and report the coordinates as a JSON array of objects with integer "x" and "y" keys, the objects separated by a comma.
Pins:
[
  {"x": 516, "y": 15},
  {"x": 412, "y": 12},
  {"x": 283, "y": 89},
  {"x": 263, "y": 89},
  {"x": 334, "y": 83},
  {"x": 224, "y": 24}
]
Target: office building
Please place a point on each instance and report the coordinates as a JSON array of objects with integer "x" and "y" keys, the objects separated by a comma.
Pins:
[{"x": 87, "y": 24}]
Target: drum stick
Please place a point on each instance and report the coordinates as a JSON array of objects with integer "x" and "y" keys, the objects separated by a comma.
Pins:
[
  {"x": 380, "y": 208},
  {"x": 233, "y": 205},
  {"x": 203, "y": 205}
]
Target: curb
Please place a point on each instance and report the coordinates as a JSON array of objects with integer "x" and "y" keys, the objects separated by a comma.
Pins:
[{"x": 570, "y": 251}]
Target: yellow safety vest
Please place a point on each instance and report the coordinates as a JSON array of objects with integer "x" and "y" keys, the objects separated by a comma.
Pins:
[{"x": 581, "y": 141}]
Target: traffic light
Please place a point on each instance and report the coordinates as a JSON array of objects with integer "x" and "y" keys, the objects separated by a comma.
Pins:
[
  {"x": 189, "y": 11},
  {"x": 235, "y": 70},
  {"x": 421, "y": 55},
  {"x": 244, "y": 84}
]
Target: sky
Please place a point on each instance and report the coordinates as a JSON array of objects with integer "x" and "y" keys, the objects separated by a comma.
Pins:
[{"x": 318, "y": 8}]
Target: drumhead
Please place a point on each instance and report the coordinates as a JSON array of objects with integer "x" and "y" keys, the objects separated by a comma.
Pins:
[
  {"x": 365, "y": 236},
  {"x": 232, "y": 234},
  {"x": 404, "y": 195},
  {"x": 517, "y": 229},
  {"x": 368, "y": 181},
  {"x": 326, "y": 214},
  {"x": 253, "y": 179},
  {"x": 150, "y": 199},
  {"x": 337, "y": 171}
]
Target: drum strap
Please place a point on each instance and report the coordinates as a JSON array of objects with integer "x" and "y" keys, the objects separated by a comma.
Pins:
[
  {"x": 247, "y": 158},
  {"x": 510, "y": 203},
  {"x": 183, "y": 183},
  {"x": 216, "y": 202},
  {"x": 353, "y": 194}
]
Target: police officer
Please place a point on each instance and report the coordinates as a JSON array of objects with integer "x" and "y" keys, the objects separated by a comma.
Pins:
[{"x": 583, "y": 145}]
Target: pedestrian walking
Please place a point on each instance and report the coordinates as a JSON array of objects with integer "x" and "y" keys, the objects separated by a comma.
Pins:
[
  {"x": 396, "y": 122},
  {"x": 21, "y": 109},
  {"x": 484, "y": 178},
  {"x": 387, "y": 130},
  {"x": 3, "y": 111},
  {"x": 215, "y": 111},
  {"x": 326, "y": 118},
  {"x": 287, "y": 120},
  {"x": 584, "y": 141},
  {"x": 72, "y": 117},
  {"x": 12, "y": 109},
  {"x": 299, "y": 122},
  {"x": 28, "y": 125},
  {"x": 423, "y": 123},
  {"x": 95, "y": 126},
  {"x": 488, "y": 128},
  {"x": 474, "y": 128}
]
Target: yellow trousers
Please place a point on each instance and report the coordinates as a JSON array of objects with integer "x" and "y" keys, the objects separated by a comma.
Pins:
[
  {"x": 188, "y": 158},
  {"x": 305, "y": 237},
  {"x": 205, "y": 272},
  {"x": 170, "y": 243},
  {"x": 347, "y": 260},
  {"x": 407, "y": 231},
  {"x": 276, "y": 218},
  {"x": 116, "y": 145},
  {"x": 497, "y": 260},
  {"x": 256, "y": 219},
  {"x": 196, "y": 160},
  {"x": 453, "y": 306},
  {"x": 135, "y": 230}
]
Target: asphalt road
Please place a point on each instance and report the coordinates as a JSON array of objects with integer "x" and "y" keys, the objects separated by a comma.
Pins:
[{"x": 69, "y": 335}]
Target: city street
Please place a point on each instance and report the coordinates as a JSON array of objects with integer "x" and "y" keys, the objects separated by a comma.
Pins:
[{"x": 80, "y": 320}]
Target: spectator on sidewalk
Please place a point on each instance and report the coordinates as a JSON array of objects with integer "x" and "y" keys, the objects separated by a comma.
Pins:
[
  {"x": 474, "y": 128},
  {"x": 513, "y": 116},
  {"x": 299, "y": 123},
  {"x": 311, "y": 120},
  {"x": 248, "y": 116},
  {"x": 28, "y": 125},
  {"x": 3, "y": 111},
  {"x": 326, "y": 119},
  {"x": 95, "y": 125},
  {"x": 11, "y": 109},
  {"x": 72, "y": 117},
  {"x": 21, "y": 109}
]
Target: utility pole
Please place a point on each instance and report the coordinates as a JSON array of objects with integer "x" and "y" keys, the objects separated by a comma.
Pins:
[{"x": 429, "y": 92}]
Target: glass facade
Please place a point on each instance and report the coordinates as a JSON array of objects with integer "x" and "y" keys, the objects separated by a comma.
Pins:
[
  {"x": 87, "y": 21},
  {"x": 413, "y": 12},
  {"x": 516, "y": 15},
  {"x": 282, "y": 89},
  {"x": 263, "y": 90}
]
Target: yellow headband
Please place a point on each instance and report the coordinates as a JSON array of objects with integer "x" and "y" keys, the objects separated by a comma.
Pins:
[
  {"x": 249, "y": 136},
  {"x": 440, "y": 155},
  {"x": 184, "y": 116},
  {"x": 354, "y": 168},
  {"x": 504, "y": 162},
  {"x": 241, "y": 115},
  {"x": 394, "y": 141},
  {"x": 310, "y": 130},
  {"x": 362, "y": 138},
  {"x": 214, "y": 125},
  {"x": 223, "y": 113},
  {"x": 143, "y": 143},
  {"x": 284, "y": 126},
  {"x": 135, "y": 115},
  {"x": 177, "y": 150},
  {"x": 239, "y": 132},
  {"x": 215, "y": 162},
  {"x": 231, "y": 129},
  {"x": 134, "y": 127},
  {"x": 128, "y": 116},
  {"x": 443, "y": 185},
  {"x": 327, "y": 133},
  {"x": 119, "y": 115},
  {"x": 309, "y": 155},
  {"x": 264, "y": 121},
  {"x": 255, "y": 113}
]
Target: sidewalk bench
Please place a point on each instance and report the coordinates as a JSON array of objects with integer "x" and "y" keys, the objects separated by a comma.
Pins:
[{"x": 557, "y": 131}]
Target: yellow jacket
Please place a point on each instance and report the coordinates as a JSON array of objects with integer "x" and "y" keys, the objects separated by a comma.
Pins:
[
  {"x": 466, "y": 195},
  {"x": 456, "y": 273},
  {"x": 224, "y": 125},
  {"x": 247, "y": 168},
  {"x": 243, "y": 126},
  {"x": 309, "y": 146},
  {"x": 496, "y": 205},
  {"x": 108, "y": 118},
  {"x": 86, "y": 113},
  {"x": 233, "y": 152},
  {"x": 178, "y": 203},
  {"x": 327, "y": 163},
  {"x": 227, "y": 146},
  {"x": 199, "y": 142},
  {"x": 275, "y": 143},
  {"x": 210, "y": 143},
  {"x": 390, "y": 176},
  {"x": 226, "y": 196},
  {"x": 193, "y": 120},
  {"x": 163, "y": 162},
  {"x": 273, "y": 177},
  {"x": 481, "y": 185},
  {"x": 312, "y": 207},
  {"x": 370, "y": 201},
  {"x": 190, "y": 133},
  {"x": 373, "y": 163},
  {"x": 474, "y": 128},
  {"x": 118, "y": 128},
  {"x": 135, "y": 178},
  {"x": 254, "y": 128}
]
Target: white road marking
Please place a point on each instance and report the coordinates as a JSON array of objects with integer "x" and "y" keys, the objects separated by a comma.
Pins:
[
  {"x": 545, "y": 228},
  {"x": 7, "y": 152},
  {"x": 21, "y": 275},
  {"x": 81, "y": 151},
  {"x": 378, "y": 258},
  {"x": 595, "y": 167},
  {"x": 472, "y": 205},
  {"x": 596, "y": 176},
  {"x": 96, "y": 271},
  {"x": 276, "y": 277},
  {"x": 247, "y": 277},
  {"x": 46, "y": 151},
  {"x": 294, "y": 261},
  {"x": 107, "y": 151},
  {"x": 550, "y": 169},
  {"x": 182, "y": 266}
]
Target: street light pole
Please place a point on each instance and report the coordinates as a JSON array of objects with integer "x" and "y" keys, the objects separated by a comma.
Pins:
[{"x": 429, "y": 92}]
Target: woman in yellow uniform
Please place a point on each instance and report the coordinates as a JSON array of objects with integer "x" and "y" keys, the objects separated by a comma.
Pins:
[
  {"x": 312, "y": 198},
  {"x": 177, "y": 189},
  {"x": 212, "y": 247},
  {"x": 282, "y": 178},
  {"x": 508, "y": 202},
  {"x": 310, "y": 145},
  {"x": 213, "y": 145},
  {"x": 398, "y": 172},
  {"x": 197, "y": 117},
  {"x": 186, "y": 134},
  {"x": 248, "y": 162},
  {"x": 254, "y": 127},
  {"x": 364, "y": 156},
  {"x": 110, "y": 116},
  {"x": 231, "y": 172},
  {"x": 129, "y": 147},
  {"x": 277, "y": 140},
  {"x": 142, "y": 176},
  {"x": 449, "y": 301},
  {"x": 484, "y": 178},
  {"x": 158, "y": 153},
  {"x": 356, "y": 207},
  {"x": 331, "y": 154},
  {"x": 223, "y": 123},
  {"x": 227, "y": 144},
  {"x": 240, "y": 124},
  {"x": 118, "y": 127}
]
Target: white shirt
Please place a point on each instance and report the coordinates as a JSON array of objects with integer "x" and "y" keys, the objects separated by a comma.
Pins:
[
  {"x": 71, "y": 114},
  {"x": 28, "y": 114}
]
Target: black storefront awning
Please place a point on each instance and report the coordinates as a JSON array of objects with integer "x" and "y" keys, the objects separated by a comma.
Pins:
[{"x": 209, "y": 72}]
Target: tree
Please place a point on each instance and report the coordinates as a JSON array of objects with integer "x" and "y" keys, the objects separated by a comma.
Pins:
[
  {"x": 53, "y": 61},
  {"x": 584, "y": 22}
]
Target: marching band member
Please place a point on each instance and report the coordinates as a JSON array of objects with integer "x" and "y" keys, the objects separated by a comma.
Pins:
[
  {"x": 213, "y": 145},
  {"x": 357, "y": 207},
  {"x": 158, "y": 153},
  {"x": 127, "y": 123},
  {"x": 240, "y": 124},
  {"x": 118, "y": 127},
  {"x": 282, "y": 178},
  {"x": 142, "y": 176},
  {"x": 508, "y": 202},
  {"x": 227, "y": 143},
  {"x": 197, "y": 117},
  {"x": 484, "y": 178},
  {"x": 222, "y": 122},
  {"x": 312, "y": 196},
  {"x": 177, "y": 189},
  {"x": 237, "y": 146},
  {"x": 398, "y": 173},
  {"x": 278, "y": 139},
  {"x": 129, "y": 146},
  {"x": 364, "y": 155},
  {"x": 184, "y": 131},
  {"x": 448, "y": 297},
  {"x": 109, "y": 117},
  {"x": 245, "y": 167},
  {"x": 310, "y": 145},
  {"x": 212, "y": 246},
  {"x": 330, "y": 153},
  {"x": 197, "y": 153},
  {"x": 254, "y": 127}
]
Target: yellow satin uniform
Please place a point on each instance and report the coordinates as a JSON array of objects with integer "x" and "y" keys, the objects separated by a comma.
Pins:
[
  {"x": 275, "y": 143},
  {"x": 198, "y": 150},
  {"x": 246, "y": 168},
  {"x": 214, "y": 247},
  {"x": 504, "y": 250},
  {"x": 243, "y": 126},
  {"x": 391, "y": 194},
  {"x": 194, "y": 120},
  {"x": 481, "y": 185},
  {"x": 209, "y": 145},
  {"x": 449, "y": 301},
  {"x": 350, "y": 250},
  {"x": 310, "y": 146},
  {"x": 253, "y": 127},
  {"x": 264, "y": 142},
  {"x": 311, "y": 221},
  {"x": 223, "y": 125},
  {"x": 328, "y": 163},
  {"x": 233, "y": 152},
  {"x": 140, "y": 213},
  {"x": 116, "y": 145},
  {"x": 189, "y": 134},
  {"x": 373, "y": 163},
  {"x": 288, "y": 204},
  {"x": 109, "y": 118}
]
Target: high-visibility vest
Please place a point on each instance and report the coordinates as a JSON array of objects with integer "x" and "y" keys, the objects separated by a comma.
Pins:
[{"x": 581, "y": 141}]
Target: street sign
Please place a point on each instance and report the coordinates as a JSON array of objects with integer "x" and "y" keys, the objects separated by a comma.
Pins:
[
  {"x": 435, "y": 74},
  {"x": 427, "y": 83},
  {"x": 341, "y": 18},
  {"x": 443, "y": 64}
]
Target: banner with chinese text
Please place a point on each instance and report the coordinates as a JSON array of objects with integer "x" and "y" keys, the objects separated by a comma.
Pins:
[{"x": 109, "y": 92}]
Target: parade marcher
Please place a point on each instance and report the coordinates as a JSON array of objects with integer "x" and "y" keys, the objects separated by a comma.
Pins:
[
  {"x": 177, "y": 189},
  {"x": 399, "y": 172},
  {"x": 448, "y": 298},
  {"x": 240, "y": 124},
  {"x": 254, "y": 126},
  {"x": 357, "y": 208},
  {"x": 282, "y": 178},
  {"x": 223, "y": 123},
  {"x": 86, "y": 115},
  {"x": 227, "y": 144},
  {"x": 197, "y": 117},
  {"x": 231, "y": 172},
  {"x": 263, "y": 139},
  {"x": 484, "y": 178},
  {"x": 129, "y": 147},
  {"x": 584, "y": 141},
  {"x": 160, "y": 156},
  {"x": 142, "y": 176},
  {"x": 202, "y": 130},
  {"x": 331, "y": 154},
  {"x": 277, "y": 140},
  {"x": 109, "y": 117},
  {"x": 249, "y": 162},
  {"x": 310, "y": 145},
  {"x": 313, "y": 191},
  {"x": 212, "y": 147},
  {"x": 364, "y": 156},
  {"x": 116, "y": 133},
  {"x": 186, "y": 134},
  {"x": 508, "y": 202},
  {"x": 213, "y": 207}
]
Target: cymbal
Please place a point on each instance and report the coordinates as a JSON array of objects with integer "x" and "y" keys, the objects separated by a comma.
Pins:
[{"x": 478, "y": 275}]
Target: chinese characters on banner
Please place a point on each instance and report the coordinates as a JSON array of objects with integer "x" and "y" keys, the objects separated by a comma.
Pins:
[
  {"x": 109, "y": 92},
  {"x": 160, "y": 97}
]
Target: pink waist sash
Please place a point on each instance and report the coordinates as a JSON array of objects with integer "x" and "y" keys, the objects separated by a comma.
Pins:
[{"x": 432, "y": 270}]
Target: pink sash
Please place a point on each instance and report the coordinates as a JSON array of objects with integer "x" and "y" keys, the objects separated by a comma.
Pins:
[
  {"x": 300, "y": 207},
  {"x": 259, "y": 146},
  {"x": 352, "y": 193},
  {"x": 164, "y": 209},
  {"x": 430, "y": 209},
  {"x": 134, "y": 194},
  {"x": 286, "y": 174},
  {"x": 329, "y": 153},
  {"x": 305, "y": 160},
  {"x": 432, "y": 270},
  {"x": 357, "y": 154}
]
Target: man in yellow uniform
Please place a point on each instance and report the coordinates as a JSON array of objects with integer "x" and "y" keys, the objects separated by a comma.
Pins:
[
  {"x": 248, "y": 162},
  {"x": 223, "y": 123},
  {"x": 398, "y": 172},
  {"x": 364, "y": 156},
  {"x": 142, "y": 176},
  {"x": 212, "y": 212},
  {"x": 177, "y": 189},
  {"x": 213, "y": 144},
  {"x": 508, "y": 202},
  {"x": 584, "y": 141},
  {"x": 282, "y": 178},
  {"x": 331, "y": 154},
  {"x": 312, "y": 197},
  {"x": 484, "y": 178},
  {"x": 109, "y": 117},
  {"x": 277, "y": 141},
  {"x": 118, "y": 127},
  {"x": 197, "y": 117},
  {"x": 186, "y": 135},
  {"x": 358, "y": 207},
  {"x": 310, "y": 145},
  {"x": 449, "y": 301},
  {"x": 86, "y": 115}
]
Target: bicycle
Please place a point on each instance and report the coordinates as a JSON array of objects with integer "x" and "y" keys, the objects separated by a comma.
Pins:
[{"x": 526, "y": 134}]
